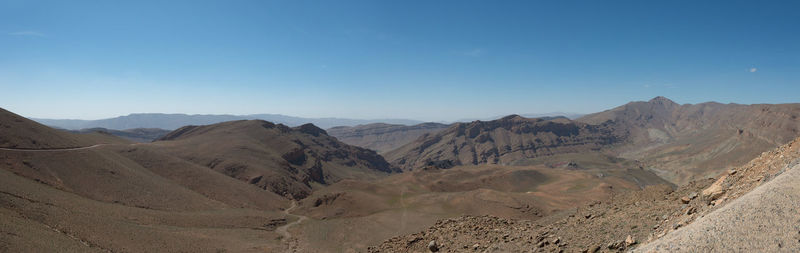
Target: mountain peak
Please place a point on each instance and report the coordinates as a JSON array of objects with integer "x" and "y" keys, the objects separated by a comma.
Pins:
[
  {"x": 311, "y": 129},
  {"x": 511, "y": 117},
  {"x": 661, "y": 100}
]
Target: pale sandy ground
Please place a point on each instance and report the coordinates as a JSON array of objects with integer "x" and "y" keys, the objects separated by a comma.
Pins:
[{"x": 766, "y": 219}]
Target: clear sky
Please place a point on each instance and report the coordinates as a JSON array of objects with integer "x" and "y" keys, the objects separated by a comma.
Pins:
[{"x": 426, "y": 60}]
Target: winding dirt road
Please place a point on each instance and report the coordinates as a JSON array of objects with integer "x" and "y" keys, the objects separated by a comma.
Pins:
[
  {"x": 291, "y": 243},
  {"x": 52, "y": 149}
]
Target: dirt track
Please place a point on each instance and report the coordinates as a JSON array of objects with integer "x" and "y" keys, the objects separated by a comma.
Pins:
[
  {"x": 290, "y": 243},
  {"x": 764, "y": 220},
  {"x": 52, "y": 150}
]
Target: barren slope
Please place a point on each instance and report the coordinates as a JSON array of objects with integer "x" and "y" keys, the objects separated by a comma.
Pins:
[
  {"x": 283, "y": 160},
  {"x": 351, "y": 215},
  {"x": 39, "y": 218},
  {"x": 18, "y": 132},
  {"x": 124, "y": 197}
]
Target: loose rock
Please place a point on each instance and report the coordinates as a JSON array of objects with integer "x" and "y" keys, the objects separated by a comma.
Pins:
[
  {"x": 433, "y": 247},
  {"x": 629, "y": 241}
]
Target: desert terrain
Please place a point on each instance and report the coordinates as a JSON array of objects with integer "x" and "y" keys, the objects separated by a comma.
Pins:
[{"x": 645, "y": 176}]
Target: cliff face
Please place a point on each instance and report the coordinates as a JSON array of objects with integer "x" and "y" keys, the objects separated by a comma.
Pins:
[{"x": 502, "y": 141}]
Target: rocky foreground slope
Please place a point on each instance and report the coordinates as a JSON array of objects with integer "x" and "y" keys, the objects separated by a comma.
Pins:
[
  {"x": 750, "y": 208},
  {"x": 742, "y": 210}
]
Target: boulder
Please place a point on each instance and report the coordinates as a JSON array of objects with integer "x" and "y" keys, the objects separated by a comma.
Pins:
[
  {"x": 715, "y": 190},
  {"x": 629, "y": 241}
]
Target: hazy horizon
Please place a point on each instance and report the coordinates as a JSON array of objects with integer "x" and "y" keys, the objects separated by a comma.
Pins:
[
  {"x": 421, "y": 60},
  {"x": 566, "y": 114},
  {"x": 475, "y": 117}
]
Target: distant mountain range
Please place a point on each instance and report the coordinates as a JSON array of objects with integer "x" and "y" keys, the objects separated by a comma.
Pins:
[
  {"x": 172, "y": 121},
  {"x": 175, "y": 121},
  {"x": 135, "y": 135},
  {"x": 548, "y": 115}
]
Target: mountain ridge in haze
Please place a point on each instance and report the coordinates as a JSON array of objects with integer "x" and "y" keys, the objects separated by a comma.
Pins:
[
  {"x": 136, "y": 134},
  {"x": 176, "y": 120},
  {"x": 546, "y": 115}
]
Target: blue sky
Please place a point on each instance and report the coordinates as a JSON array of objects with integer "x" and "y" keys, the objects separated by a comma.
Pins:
[{"x": 427, "y": 60}]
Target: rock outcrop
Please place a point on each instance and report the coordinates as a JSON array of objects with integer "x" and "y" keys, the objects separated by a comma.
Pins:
[{"x": 503, "y": 141}]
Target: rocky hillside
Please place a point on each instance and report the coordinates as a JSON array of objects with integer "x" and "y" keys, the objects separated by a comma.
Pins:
[
  {"x": 680, "y": 143},
  {"x": 765, "y": 190},
  {"x": 502, "y": 141},
  {"x": 609, "y": 226},
  {"x": 284, "y": 160},
  {"x": 685, "y": 142},
  {"x": 704, "y": 215},
  {"x": 383, "y": 137}
]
